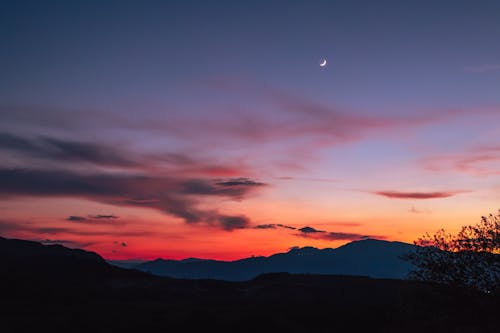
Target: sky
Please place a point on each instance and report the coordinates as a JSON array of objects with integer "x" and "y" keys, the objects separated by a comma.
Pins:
[{"x": 175, "y": 129}]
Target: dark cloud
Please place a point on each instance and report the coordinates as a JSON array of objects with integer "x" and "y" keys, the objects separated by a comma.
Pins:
[
  {"x": 103, "y": 216},
  {"x": 286, "y": 226},
  {"x": 345, "y": 236},
  {"x": 240, "y": 182},
  {"x": 74, "y": 218},
  {"x": 274, "y": 226},
  {"x": 169, "y": 195},
  {"x": 53, "y": 241},
  {"x": 33, "y": 231},
  {"x": 231, "y": 223},
  {"x": 310, "y": 230},
  {"x": 265, "y": 226},
  {"x": 13, "y": 142},
  {"x": 416, "y": 195},
  {"x": 336, "y": 235},
  {"x": 50, "y": 149},
  {"x": 65, "y": 150},
  {"x": 95, "y": 219},
  {"x": 64, "y": 242},
  {"x": 232, "y": 188},
  {"x": 86, "y": 152},
  {"x": 78, "y": 232}
]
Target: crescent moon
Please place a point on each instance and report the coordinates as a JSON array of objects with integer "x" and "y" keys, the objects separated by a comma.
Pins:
[{"x": 322, "y": 63}]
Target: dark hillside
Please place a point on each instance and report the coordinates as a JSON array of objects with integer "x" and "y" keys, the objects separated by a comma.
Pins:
[{"x": 76, "y": 291}]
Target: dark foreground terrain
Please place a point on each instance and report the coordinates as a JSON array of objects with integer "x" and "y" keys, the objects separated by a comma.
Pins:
[{"x": 52, "y": 289}]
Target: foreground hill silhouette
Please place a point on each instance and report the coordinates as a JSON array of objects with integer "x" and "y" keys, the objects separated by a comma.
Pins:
[
  {"x": 58, "y": 289},
  {"x": 369, "y": 257}
]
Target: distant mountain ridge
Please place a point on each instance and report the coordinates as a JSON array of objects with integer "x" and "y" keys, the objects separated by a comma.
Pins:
[
  {"x": 369, "y": 257},
  {"x": 23, "y": 259}
]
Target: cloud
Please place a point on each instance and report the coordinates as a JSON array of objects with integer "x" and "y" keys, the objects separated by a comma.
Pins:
[
  {"x": 299, "y": 127},
  {"x": 103, "y": 216},
  {"x": 334, "y": 236},
  {"x": 189, "y": 165},
  {"x": 265, "y": 226},
  {"x": 309, "y": 179},
  {"x": 50, "y": 151},
  {"x": 237, "y": 182},
  {"x": 95, "y": 219},
  {"x": 416, "y": 195},
  {"x": 236, "y": 188},
  {"x": 274, "y": 226},
  {"x": 313, "y": 233},
  {"x": 482, "y": 68},
  {"x": 79, "y": 232},
  {"x": 310, "y": 230},
  {"x": 231, "y": 223},
  {"x": 286, "y": 226},
  {"x": 170, "y": 195},
  {"x": 481, "y": 161},
  {"x": 347, "y": 236},
  {"x": 414, "y": 210},
  {"x": 295, "y": 118},
  {"x": 73, "y": 218},
  {"x": 63, "y": 242},
  {"x": 65, "y": 150},
  {"x": 34, "y": 231}
]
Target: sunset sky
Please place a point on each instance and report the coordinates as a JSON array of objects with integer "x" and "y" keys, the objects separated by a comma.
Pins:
[{"x": 174, "y": 129}]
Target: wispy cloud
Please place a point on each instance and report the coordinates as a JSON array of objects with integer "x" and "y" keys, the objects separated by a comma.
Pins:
[
  {"x": 416, "y": 195},
  {"x": 482, "y": 68},
  {"x": 49, "y": 151},
  {"x": 104, "y": 216},
  {"x": 481, "y": 161},
  {"x": 65, "y": 150},
  {"x": 64, "y": 242},
  {"x": 308, "y": 179},
  {"x": 310, "y": 232},
  {"x": 34, "y": 230},
  {"x": 74, "y": 218},
  {"x": 95, "y": 219},
  {"x": 415, "y": 210},
  {"x": 274, "y": 226},
  {"x": 313, "y": 233}
]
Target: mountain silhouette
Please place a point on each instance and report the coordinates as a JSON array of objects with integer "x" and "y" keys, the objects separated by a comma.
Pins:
[
  {"x": 21, "y": 260},
  {"x": 369, "y": 257},
  {"x": 68, "y": 290}
]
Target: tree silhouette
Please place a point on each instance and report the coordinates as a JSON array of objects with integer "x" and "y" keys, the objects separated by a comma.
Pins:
[{"x": 469, "y": 259}]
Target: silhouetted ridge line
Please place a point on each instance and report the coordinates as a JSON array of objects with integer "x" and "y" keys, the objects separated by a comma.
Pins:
[{"x": 368, "y": 257}]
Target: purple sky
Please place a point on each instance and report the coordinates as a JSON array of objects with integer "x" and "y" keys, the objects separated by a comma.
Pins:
[{"x": 193, "y": 120}]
